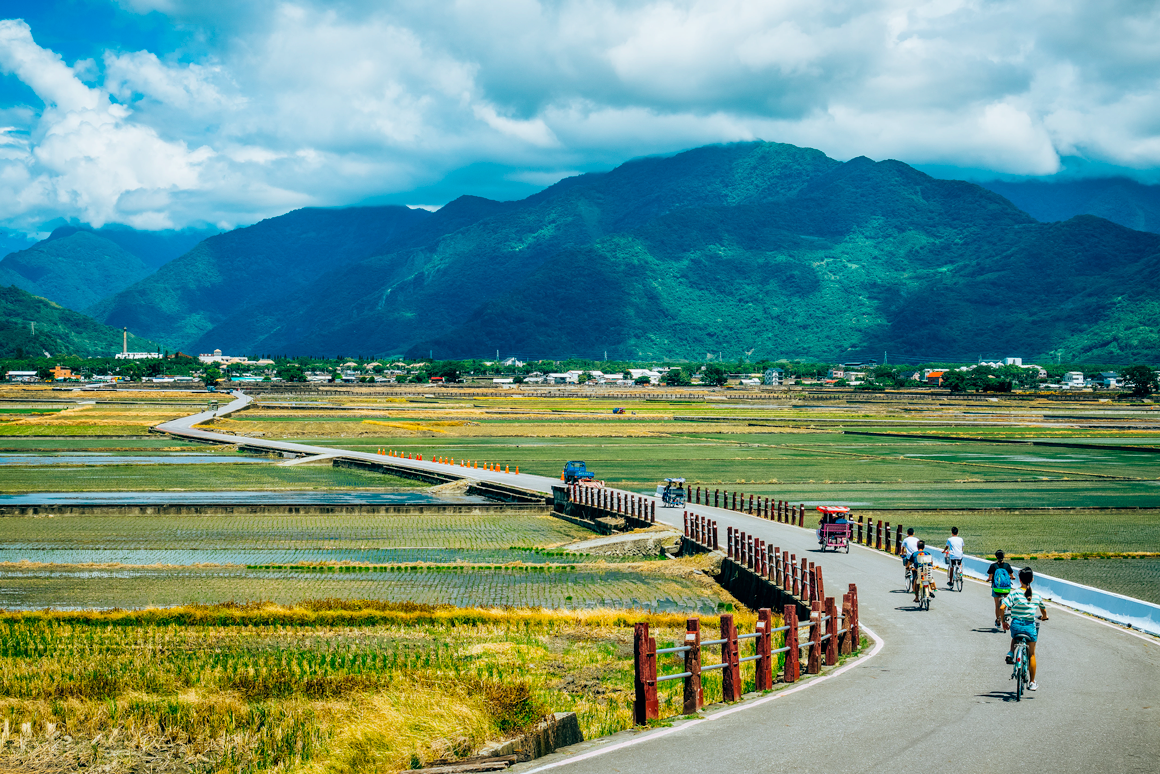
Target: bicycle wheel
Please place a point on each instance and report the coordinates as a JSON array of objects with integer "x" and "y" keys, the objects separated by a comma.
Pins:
[
  {"x": 1020, "y": 670},
  {"x": 958, "y": 578}
]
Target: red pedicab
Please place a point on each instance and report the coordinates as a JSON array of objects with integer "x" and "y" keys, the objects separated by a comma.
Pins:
[{"x": 833, "y": 533}]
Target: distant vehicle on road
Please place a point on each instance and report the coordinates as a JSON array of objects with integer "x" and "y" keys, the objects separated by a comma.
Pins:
[
  {"x": 834, "y": 530},
  {"x": 618, "y": 411},
  {"x": 575, "y": 472},
  {"x": 672, "y": 492}
]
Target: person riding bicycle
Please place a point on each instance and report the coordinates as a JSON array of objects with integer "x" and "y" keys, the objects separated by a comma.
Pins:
[
  {"x": 953, "y": 553},
  {"x": 923, "y": 563},
  {"x": 1021, "y": 607},
  {"x": 999, "y": 575},
  {"x": 909, "y": 546}
]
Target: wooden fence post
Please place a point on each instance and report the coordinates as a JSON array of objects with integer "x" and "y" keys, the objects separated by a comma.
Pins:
[
  {"x": 730, "y": 674},
  {"x": 846, "y": 639},
  {"x": 832, "y": 630},
  {"x": 716, "y": 497},
  {"x": 694, "y": 695},
  {"x": 855, "y": 629},
  {"x": 763, "y": 680},
  {"x": 652, "y": 516},
  {"x": 715, "y": 545},
  {"x": 645, "y": 707},
  {"x": 777, "y": 577},
  {"x": 886, "y": 541},
  {"x": 793, "y": 661},
  {"x": 802, "y": 515},
  {"x": 878, "y": 536},
  {"x": 804, "y": 569},
  {"x": 859, "y": 530},
  {"x": 686, "y": 524},
  {"x": 820, "y": 592},
  {"x": 898, "y": 541},
  {"x": 793, "y": 569},
  {"x": 814, "y": 665},
  {"x": 750, "y": 505}
]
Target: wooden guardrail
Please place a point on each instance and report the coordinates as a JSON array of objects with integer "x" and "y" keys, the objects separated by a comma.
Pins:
[
  {"x": 595, "y": 502},
  {"x": 781, "y": 511},
  {"x": 829, "y": 635}
]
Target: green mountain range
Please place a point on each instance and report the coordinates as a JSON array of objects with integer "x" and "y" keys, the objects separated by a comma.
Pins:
[
  {"x": 751, "y": 247},
  {"x": 77, "y": 267},
  {"x": 31, "y": 326}
]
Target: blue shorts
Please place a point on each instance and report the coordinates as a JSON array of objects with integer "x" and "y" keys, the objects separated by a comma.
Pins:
[{"x": 1025, "y": 629}]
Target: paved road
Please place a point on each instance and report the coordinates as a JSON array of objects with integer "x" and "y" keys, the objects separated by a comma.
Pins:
[{"x": 936, "y": 697}]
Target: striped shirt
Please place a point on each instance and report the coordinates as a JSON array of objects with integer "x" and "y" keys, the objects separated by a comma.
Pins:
[{"x": 1022, "y": 608}]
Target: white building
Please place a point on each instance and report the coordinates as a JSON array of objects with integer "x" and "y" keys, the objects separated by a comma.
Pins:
[
  {"x": 1073, "y": 380},
  {"x": 22, "y": 376},
  {"x": 654, "y": 377}
]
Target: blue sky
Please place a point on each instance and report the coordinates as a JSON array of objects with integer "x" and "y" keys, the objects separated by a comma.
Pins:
[{"x": 170, "y": 113}]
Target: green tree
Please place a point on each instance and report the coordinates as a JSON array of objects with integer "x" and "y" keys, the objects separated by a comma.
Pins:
[
  {"x": 1142, "y": 379},
  {"x": 642, "y": 379},
  {"x": 677, "y": 377},
  {"x": 213, "y": 375},
  {"x": 715, "y": 374},
  {"x": 955, "y": 381},
  {"x": 291, "y": 372}
]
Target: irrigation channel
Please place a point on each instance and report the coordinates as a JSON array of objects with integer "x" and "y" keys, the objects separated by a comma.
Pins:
[{"x": 934, "y": 691}]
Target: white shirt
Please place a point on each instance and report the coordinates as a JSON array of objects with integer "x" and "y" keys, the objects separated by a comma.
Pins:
[
  {"x": 955, "y": 545},
  {"x": 909, "y": 545}
]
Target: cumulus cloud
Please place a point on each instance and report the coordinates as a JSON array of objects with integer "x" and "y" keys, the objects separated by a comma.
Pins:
[{"x": 262, "y": 105}]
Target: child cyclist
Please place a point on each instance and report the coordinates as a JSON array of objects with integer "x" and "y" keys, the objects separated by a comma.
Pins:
[
  {"x": 999, "y": 575},
  {"x": 1021, "y": 605},
  {"x": 923, "y": 564}
]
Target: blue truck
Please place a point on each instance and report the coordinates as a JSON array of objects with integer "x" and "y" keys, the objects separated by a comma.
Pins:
[{"x": 575, "y": 472}]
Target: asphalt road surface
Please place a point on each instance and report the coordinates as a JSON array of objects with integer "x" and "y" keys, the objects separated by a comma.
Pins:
[{"x": 935, "y": 697}]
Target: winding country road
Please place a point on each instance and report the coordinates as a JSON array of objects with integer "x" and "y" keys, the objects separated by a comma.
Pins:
[{"x": 935, "y": 697}]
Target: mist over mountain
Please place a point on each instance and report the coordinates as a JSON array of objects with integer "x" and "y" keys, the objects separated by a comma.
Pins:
[
  {"x": 760, "y": 247},
  {"x": 1118, "y": 199}
]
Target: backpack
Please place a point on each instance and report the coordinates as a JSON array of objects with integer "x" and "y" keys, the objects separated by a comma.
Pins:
[{"x": 1002, "y": 583}]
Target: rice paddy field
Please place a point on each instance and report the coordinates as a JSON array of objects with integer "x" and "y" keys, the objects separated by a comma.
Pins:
[
  {"x": 324, "y": 686},
  {"x": 429, "y": 634},
  {"x": 1037, "y": 475}
]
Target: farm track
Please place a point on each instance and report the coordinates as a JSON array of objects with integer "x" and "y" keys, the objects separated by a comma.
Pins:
[{"x": 937, "y": 692}]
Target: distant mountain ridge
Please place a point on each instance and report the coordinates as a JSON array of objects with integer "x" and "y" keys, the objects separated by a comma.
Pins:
[
  {"x": 1119, "y": 200},
  {"x": 760, "y": 247}
]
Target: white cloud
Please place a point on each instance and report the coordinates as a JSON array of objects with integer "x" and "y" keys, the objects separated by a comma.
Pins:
[
  {"x": 86, "y": 153},
  {"x": 269, "y": 104}
]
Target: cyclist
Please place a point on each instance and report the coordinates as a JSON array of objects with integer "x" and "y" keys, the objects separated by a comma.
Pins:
[
  {"x": 1021, "y": 606},
  {"x": 953, "y": 553},
  {"x": 999, "y": 575},
  {"x": 923, "y": 564},
  {"x": 909, "y": 546}
]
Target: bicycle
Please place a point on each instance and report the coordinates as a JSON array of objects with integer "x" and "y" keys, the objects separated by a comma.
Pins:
[
  {"x": 955, "y": 574},
  {"x": 908, "y": 575},
  {"x": 924, "y": 585},
  {"x": 1021, "y": 658}
]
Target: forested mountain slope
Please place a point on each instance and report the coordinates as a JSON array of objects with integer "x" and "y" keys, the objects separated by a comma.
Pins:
[
  {"x": 251, "y": 268},
  {"x": 757, "y": 247},
  {"x": 30, "y": 326}
]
